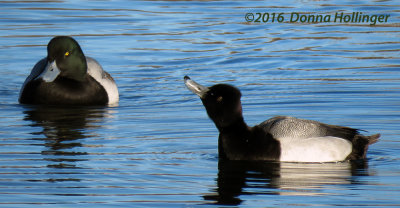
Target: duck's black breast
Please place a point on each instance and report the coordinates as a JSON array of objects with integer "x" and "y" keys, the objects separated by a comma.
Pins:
[
  {"x": 254, "y": 144},
  {"x": 64, "y": 91}
]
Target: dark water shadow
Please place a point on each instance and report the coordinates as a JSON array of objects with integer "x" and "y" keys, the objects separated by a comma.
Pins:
[
  {"x": 65, "y": 129},
  {"x": 239, "y": 178}
]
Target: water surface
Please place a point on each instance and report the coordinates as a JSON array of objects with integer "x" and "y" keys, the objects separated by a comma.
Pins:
[{"x": 157, "y": 148}]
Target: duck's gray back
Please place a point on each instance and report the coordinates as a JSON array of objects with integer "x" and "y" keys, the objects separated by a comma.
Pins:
[
  {"x": 285, "y": 126},
  {"x": 104, "y": 78}
]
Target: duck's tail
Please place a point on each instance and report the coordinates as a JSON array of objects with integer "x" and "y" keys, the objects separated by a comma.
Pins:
[{"x": 360, "y": 146}]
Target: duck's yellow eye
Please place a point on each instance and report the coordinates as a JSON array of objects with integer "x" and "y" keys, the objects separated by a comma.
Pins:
[{"x": 66, "y": 53}]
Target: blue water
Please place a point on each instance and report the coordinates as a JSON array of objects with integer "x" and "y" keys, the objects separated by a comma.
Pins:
[{"x": 158, "y": 148}]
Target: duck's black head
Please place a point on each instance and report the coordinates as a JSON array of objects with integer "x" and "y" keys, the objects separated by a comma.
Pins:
[
  {"x": 65, "y": 59},
  {"x": 221, "y": 101}
]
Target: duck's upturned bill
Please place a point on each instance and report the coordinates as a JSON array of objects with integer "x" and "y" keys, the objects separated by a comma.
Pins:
[{"x": 195, "y": 87}]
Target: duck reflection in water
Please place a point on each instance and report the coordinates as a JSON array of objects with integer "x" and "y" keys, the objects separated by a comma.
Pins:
[
  {"x": 64, "y": 128},
  {"x": 237, "y": 179}
]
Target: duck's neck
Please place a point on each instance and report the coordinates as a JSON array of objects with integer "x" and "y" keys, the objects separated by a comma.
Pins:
[
  {"x": 233, "y": 140},
  {"x": 239, "y": 127}
]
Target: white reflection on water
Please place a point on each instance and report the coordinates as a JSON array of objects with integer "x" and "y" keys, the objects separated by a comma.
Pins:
[{"x": 272, "y": 178}]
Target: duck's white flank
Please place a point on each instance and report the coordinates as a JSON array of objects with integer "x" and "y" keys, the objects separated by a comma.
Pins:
[
  {"x": 314, "y": 149},
  {"x": 96, "y": 71}
]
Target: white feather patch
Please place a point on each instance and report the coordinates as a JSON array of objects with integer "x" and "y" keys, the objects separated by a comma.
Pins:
[
  {"x": 96, "y": 71},
  {"x": 315, "y": 149}
]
